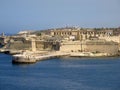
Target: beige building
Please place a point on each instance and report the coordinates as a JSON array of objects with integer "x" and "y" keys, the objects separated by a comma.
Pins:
[{"x": 80, "y": 34}]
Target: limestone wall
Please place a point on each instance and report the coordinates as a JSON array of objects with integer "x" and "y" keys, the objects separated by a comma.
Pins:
[
  {"x": 111, "y": 38},
  {"x": 44, "y": 45},
  {"x": 72, "y": 48},
  {"x": 19, "y": 45},
  {"x": 39, "y": 45},
  {"x": 101, "y": 47},
  {"x": 111, "y": 49}
]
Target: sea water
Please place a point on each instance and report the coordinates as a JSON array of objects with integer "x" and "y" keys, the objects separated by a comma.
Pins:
[{"x": 61, "y": 74}]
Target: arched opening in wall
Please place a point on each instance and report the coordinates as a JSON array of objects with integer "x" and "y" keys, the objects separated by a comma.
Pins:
[{"x": 56, "y": 46}]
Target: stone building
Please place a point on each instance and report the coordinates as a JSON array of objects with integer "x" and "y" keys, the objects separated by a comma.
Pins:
[{"x": 79, "y": 33}]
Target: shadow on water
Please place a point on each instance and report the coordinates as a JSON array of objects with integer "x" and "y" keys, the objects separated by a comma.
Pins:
[{"x": 23, "y": 65}]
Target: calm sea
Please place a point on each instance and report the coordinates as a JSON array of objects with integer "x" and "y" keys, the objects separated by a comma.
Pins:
[{"x": 61, "y": 74}]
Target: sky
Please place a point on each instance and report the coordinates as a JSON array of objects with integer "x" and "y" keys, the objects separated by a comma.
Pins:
[{"x": 18, "y": 15}]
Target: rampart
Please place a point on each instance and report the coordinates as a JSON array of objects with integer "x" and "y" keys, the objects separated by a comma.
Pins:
[{"x": 90, "y": 46}]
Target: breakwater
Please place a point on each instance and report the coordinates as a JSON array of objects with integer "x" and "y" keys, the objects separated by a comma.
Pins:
[
  {"x": 29, "y": 57},
  {"x": 32, "y": 57}
]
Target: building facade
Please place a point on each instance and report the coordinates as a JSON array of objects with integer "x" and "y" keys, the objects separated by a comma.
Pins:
[{"x": 80, "y": 34}]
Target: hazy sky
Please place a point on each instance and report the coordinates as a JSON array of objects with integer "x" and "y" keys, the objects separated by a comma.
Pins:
[{"x": 16, "y": 15}]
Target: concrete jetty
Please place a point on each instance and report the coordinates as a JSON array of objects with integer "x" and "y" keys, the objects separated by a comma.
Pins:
[
  {"x": 88, "y": 54},
  {"x": 21, "y": 59},
  {"x": 27, "y": 58},
  {"x": 32, "y": 57}
]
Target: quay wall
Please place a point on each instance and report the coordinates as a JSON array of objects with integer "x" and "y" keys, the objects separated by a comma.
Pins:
[
  {"x": 110, "y": 48},
  {"x": 72, "y": 48}
]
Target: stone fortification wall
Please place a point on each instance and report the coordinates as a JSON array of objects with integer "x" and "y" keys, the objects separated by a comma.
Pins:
[
  {"x": 32, "y": 45},
  {"x": 102, "y": 47},
  {"x": 72, "y": 46},
  {"x": 96, "y": 47},
  {"x": 111, "y": 38},
  {"x": 39, "y": 45},
  {"x": 19, "y": 45}
]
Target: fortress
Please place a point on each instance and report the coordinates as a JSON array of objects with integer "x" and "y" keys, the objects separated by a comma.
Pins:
[
  {"x": 30, "y": 47},
  {"x": 68, "y": 39},
  {"x": 81, "y": 34}
]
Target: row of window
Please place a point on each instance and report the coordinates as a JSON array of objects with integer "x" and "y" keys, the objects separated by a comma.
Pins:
[
  {"x": 62, "y": 33},
  {"x": 70, "y": 33}
]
